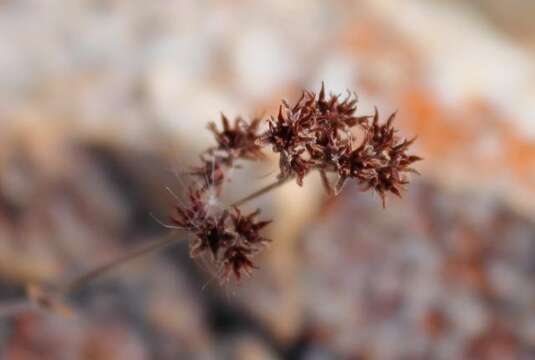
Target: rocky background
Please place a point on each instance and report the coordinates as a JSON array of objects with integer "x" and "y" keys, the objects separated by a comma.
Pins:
[{"x": 104, "y": 104}]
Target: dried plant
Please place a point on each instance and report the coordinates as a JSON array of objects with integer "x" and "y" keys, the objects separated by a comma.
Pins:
[{"x": 319, "y": 132}]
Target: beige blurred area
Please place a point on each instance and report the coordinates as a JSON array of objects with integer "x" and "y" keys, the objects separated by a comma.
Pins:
[{"x": 104, "y": 105}]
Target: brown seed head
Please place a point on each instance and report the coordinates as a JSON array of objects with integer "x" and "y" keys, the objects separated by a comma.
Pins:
[
  {"x": 238, "y": 140},
  {"x": 317, "y": 132}
]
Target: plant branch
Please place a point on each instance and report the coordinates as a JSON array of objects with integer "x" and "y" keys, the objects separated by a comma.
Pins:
[
  {"x": 261, "y": 191},
  {"x": 83, "y": 279},
  {"x": 87, "y": 277}
]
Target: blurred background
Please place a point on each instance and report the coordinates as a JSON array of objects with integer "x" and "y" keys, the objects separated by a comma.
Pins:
[{"x": 104, "y": 103}]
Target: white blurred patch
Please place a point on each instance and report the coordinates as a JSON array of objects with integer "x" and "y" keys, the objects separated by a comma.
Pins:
[
  {"x": 467, "y": 58},
  {"x": 262, "y": 62},
  {"x": 338, "y": 72}
]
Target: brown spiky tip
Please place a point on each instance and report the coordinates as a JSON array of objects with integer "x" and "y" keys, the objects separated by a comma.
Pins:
[
  {"x": 188, "y": 216},
  {"x": 248, "y": 227},
  {"x": 317, "y": 133},
  {"x": 229, "y": 238},
  {"x": 231, "y": 242},
  {"x": 237, "y": 261},
  {"x": 212, "y": 235},
  {"x": 381, "y": 161},
  {"x": 239, "y": 140}
]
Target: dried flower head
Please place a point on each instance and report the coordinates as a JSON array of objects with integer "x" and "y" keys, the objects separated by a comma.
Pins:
[
  {"x": 316, "y": 133},
  {"x": 212, "y": 235},
  {"x": 238, "y": 140},
  {"x": 248, "y": 228},
  {"x": 380, "y": 162},
  {"x": 237, "y": 261},
  {"x": 230, "y": 239}
]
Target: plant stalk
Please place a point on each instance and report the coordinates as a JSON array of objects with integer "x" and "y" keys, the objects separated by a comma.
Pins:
[
  {"x": 261, "y": 191},
  {"x": 83, "y": 279}
]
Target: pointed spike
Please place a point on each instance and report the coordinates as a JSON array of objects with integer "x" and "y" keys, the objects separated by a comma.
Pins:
[
  {"x": 394, "y": 190},
  {"x": 348, "y": 97},
  {"x": 280, "y": 117},
  {"x": 321, "y": 96},
  {"x": 340, "y": 184},
  {"x": 391, "y": 119},
  {"x": 253, "y": 214},
  {"x": 375, "y": 115},
  {"x": 225, "y": 122},
  {"x": 285, "y": 103},
  {"x": 405, "y": 144},
  {"x": 326, "y": 183},
  {"x": 212, "y": 127},
  {"x": 383, "y": 199},
  {"x": 237, "y": 210},
  {"x": 298, "y": 103},
  {"x": 263, "y": 224},
  {"x": 414, "y": 158},
  {"x": 253, "y": 125},
  {"x": 412, "y": 140},
  {"x": 351, "y": 104},
  {"x": 238, "y": 120}
]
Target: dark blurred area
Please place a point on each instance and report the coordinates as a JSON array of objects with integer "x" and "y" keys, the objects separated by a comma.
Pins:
[{"x": 104, "y": 104}]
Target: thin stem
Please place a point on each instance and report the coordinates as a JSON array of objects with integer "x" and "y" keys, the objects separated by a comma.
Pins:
[
  {"x": 261, "y": 191},
  {"x": 83, "y": 279},
  {"x": 87, "y": 277}
]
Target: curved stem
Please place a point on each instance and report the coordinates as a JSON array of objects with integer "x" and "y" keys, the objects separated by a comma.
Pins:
[
  {"x": 83, "y": 279},
  {"x": 87, "y": 277}
]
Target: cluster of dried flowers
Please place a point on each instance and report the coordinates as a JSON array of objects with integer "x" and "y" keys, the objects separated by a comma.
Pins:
[{"x": 318, "y": 132}]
